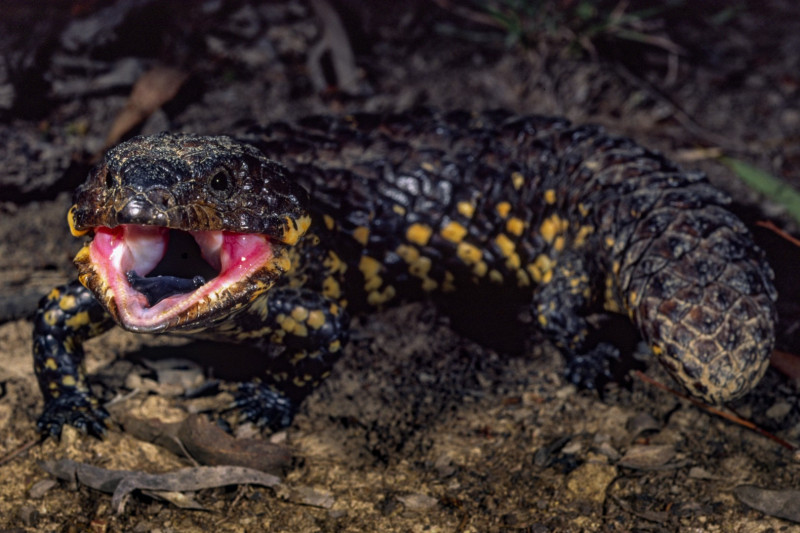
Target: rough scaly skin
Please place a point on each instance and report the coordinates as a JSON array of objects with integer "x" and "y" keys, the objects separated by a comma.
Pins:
[{"x": 568, "y": 219}]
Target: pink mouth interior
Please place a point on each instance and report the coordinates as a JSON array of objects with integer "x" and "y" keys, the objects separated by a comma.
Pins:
[{"x": 116, "y": 251}]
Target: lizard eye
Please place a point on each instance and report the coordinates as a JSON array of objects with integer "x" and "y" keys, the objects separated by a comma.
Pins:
[{"x": 221, "y": 183}]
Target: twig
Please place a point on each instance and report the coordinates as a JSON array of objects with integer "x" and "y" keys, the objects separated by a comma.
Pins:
[
  {"x": 714, "y": 411},
  {"x": 21, "y": 450},
  {"x": 778, "y": 231}
]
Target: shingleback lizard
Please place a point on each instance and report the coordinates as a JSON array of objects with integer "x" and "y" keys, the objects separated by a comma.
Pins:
[{"x": 306, "y": 223}]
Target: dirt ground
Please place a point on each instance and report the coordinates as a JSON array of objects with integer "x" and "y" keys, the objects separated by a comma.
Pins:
[{"x": 419, "y": 428}]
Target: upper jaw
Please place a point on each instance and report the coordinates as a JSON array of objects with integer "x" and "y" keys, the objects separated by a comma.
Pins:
[{"x": 246, "y": 265}]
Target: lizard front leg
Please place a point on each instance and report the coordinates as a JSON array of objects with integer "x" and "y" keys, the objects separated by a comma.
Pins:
[
  {"x": 309, "y": 332},
  {"x": 66, "y": 317}
]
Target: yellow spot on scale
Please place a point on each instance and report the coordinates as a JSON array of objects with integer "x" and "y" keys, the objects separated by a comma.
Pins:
[
  {"x": 419, "y": 234},
  {"x": 503, "y": 209},
  {"x": 54, "y": 295},
  {"x": 505, "y": 244},
  {"x": 611, "y": 305},
  {"x": 513, "y": 262},
  {"x": 558, "y": 243},
  {"x": 465, "y": 208},
  {"x": 335, "y": 346},
  {"x": 378, "y": 298},
  {"x": 83, "y": 255},
  {"x": 399, "y": 209},
  {"x": 295, "y": 228},
  {"x": 515, "y": 226},
  {"x": 361, "y": 234},
  {"x": 299, "y": 313},
  {"x": 373, "y": 283},
  {"x": 331, "y": 288},
  {"x": 429, "y": 284},
  {"x": 550, "y": 196},
  {"x": 468, "y": 253},
  {"x": 583, "y": 233},
  {"x": 282, "y": 263},
  {"x": 420, "y": 267},
  {"x": 632, "y": 298},
  {"x": 68, "y": 381},
  {"x": 454, "y": 232},
  {"x": 334, "y": 264},
  {"x": 370, "y": 267},
  {"x": 656, "y": 349},
  {"x": 51, "y": 317},
  {"x": 495, "y": 276},
  {"x": 522, "y": 279},
  {"x": 68, "y": 302},
  {"x": 50, "y": 364},
  {"x": 552, "y": 226},
  {"x": 609, "y": 241},
  {"x": 517, "y": 180},
  {"x": 316, "y": 319},
  {"x": 427, "y": 166},
  {"x": 71, "y": 221},
  {"x": 541, "y": 265},
  {"x": 330, "y": 223},
  {"x": 407, "y": 252},
  {"x": 449, "y": 282},
  {"x": 480, "y": 269},
  {"x": 79, "y": 320}
]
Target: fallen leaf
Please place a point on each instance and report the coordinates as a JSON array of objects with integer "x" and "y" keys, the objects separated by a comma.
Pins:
[
  {"x": 206, "y": 443},
  {"x": 153, "y": 89},
  {"x": 123, "y": 482},
  {"x": 779, "y": 503}
]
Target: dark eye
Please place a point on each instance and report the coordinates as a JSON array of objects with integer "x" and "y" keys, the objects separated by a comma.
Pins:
[{"x": 221, "y": 183}]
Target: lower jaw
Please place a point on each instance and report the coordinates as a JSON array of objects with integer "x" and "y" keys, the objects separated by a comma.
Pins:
[{"x": 205, "y": 306}]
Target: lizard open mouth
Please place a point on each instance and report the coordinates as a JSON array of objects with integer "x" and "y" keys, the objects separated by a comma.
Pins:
[{"x": 153, "y": 276}]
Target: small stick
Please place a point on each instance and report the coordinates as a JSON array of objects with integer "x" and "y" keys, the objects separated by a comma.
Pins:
[{"x": 714, "y": 411}]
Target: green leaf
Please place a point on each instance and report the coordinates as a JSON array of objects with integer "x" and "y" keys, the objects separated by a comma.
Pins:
[{"x": 765, "y": 183}]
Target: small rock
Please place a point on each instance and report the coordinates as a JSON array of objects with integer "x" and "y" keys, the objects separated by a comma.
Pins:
[
  {"x": 573, "y": 447},
  {"x": 646, "y": 457},
  {"x": 779, "y": 410},
  {"x": 418, "y": 502},
  {"x": 565, "y": 393},
  {"x": 444, "y": 466},
  {"x": 590, "y": 481},
  {"x": 41, "y": 487},
  {"x": 697, "y": 472}
]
